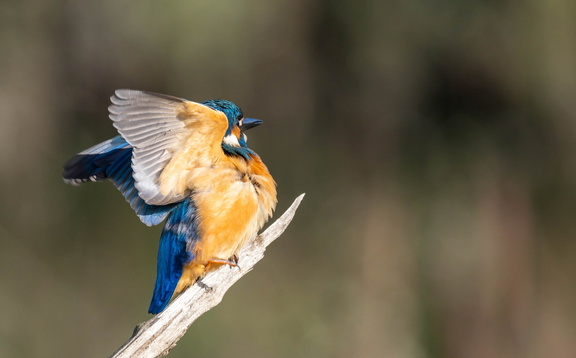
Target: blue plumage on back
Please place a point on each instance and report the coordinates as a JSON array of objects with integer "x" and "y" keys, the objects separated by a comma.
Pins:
[
  {"x": 176, "y": 243},
  {"x": 112, "y": 160}
]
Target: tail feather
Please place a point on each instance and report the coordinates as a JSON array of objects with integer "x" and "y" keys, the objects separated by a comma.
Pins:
[
  {"x": 178, "y": 238},
  {"x": 112, "y": 160}
]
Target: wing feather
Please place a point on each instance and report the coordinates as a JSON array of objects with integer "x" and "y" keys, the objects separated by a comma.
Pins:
[
  {"x": 112, "y": 160},
  {"x": 159, "y": 127}
]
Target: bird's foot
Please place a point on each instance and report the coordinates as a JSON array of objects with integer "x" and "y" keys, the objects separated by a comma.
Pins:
[{"x": 232, "y": 262}]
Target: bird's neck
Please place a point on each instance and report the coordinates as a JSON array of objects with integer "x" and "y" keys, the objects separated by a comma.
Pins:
[{"x": 243, "y": 152}]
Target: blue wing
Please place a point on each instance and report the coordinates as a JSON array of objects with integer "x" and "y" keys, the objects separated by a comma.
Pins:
[
  {"x": 112, "y": 160},
  {"x": 179, "y": 236}
]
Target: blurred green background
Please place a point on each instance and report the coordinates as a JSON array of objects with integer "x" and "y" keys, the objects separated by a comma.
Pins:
[{"x": 435, "y": 141}]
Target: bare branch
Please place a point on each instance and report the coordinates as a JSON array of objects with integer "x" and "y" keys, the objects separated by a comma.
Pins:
[{"x": 155, "y": 337}]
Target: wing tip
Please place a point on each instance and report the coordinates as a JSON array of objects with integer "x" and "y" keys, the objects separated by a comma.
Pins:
[
  {"x": 78, "y": 181},
  {"x": 123, "y": 99},
  {"x": 126, "y": 94},
  {"x": 122, "y": 94}
]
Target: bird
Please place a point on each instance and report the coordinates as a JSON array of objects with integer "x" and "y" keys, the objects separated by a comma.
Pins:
[{"x": 189, "y": 164}]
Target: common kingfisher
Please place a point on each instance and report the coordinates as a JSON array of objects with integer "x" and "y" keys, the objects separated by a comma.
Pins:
[{"x": 188, "y": 163}]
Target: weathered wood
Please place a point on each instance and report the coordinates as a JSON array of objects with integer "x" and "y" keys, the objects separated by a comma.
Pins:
[{"x": 155, "y": 337}]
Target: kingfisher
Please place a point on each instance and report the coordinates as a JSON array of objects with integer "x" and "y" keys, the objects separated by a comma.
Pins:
[{"x": 188, "y": 163}]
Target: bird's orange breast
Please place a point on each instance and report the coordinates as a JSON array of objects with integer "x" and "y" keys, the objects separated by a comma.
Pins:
[{"x": 234, "y": 198}]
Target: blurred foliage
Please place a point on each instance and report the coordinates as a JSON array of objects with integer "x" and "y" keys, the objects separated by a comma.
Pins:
[{"x": 434, "y": 140}]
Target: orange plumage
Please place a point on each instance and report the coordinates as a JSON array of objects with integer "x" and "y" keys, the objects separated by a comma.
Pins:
[{"x": 234, "y": 198}]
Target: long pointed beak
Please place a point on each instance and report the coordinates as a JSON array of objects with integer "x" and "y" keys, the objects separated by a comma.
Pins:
[{"x": 248, "y": 123}]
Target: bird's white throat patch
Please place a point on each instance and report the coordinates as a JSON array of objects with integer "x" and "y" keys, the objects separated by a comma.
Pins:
[{"x": 231, "y": 139}]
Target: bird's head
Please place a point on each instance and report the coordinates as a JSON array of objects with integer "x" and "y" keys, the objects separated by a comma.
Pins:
[{"x": 234, "y": 141}]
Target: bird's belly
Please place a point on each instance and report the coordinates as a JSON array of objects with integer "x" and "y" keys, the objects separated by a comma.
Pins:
[{"x": 227, "y": 217}]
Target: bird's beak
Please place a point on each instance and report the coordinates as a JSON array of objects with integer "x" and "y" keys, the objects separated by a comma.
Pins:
[{"x": 248, "y": 123}]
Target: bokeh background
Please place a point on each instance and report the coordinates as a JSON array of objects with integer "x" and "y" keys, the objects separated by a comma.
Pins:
[{"x": 435, "y": 141}]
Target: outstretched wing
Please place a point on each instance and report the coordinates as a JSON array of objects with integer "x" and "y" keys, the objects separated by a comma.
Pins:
[
  {"x": 111, "y": 160},
  {"x": 162, "y": 129}
]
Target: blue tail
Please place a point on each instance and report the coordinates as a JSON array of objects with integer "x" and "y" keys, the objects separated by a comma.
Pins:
[
  {"x": 112, "y": 160},
  {"x": 176, "y": 243}
]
